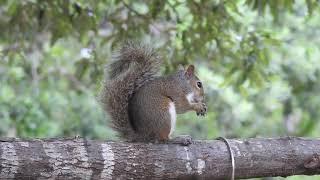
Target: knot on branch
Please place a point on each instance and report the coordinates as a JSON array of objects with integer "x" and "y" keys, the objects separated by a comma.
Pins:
[{"x": 313, "y": 162}]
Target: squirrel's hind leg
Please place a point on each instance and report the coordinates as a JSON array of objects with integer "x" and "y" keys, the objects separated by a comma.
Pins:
[{"x": 184, "y": 140}]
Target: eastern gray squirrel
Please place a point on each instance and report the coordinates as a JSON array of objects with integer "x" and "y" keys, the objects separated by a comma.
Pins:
[{"x": 142, "y": 105}]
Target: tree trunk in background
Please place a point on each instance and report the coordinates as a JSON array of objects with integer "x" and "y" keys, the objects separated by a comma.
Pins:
[{"x": 90, "y": 159}]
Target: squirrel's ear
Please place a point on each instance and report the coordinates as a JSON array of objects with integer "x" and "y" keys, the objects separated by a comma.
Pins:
[{"x": 190, "y": 71}]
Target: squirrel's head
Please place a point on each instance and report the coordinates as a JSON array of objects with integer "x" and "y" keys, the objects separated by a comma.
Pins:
[{"x": 194, "y": 83}]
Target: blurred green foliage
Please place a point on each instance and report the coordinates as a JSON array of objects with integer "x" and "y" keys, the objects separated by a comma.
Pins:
[{"x": 259, "y": 61}]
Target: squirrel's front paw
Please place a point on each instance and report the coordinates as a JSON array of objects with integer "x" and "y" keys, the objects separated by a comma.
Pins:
[{"x": 202, "y": 109}]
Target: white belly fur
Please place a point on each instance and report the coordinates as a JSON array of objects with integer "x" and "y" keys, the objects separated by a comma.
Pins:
[
  {"x": 173, "y": 117},
  {"x": 190, "y": 97}
]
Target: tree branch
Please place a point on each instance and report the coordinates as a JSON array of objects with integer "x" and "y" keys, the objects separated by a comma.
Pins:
[{"x": 78, "y": 158}]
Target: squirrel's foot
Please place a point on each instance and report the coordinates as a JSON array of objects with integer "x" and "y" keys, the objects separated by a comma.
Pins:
[{"x": 184, "y": 140}]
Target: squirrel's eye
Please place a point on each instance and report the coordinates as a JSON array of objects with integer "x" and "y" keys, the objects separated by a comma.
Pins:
[{"x": 199, "y": 84}]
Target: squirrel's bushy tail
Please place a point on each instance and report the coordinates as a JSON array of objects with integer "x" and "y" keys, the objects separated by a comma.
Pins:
[{"x": 133, "y": 65}]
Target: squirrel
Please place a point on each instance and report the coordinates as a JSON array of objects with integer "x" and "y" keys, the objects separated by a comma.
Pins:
[{"x": 143, "y": 105}]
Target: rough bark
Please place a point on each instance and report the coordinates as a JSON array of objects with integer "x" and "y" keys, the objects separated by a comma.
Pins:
[{"x": 90, "y": 159}]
